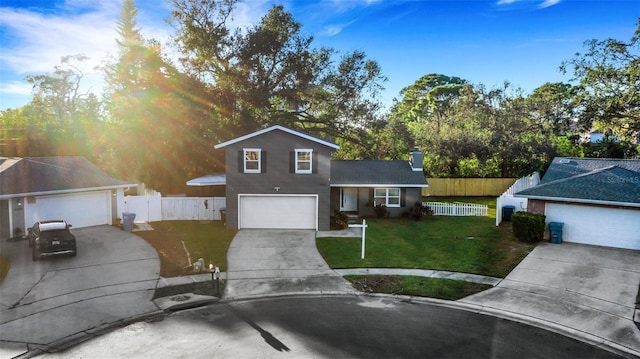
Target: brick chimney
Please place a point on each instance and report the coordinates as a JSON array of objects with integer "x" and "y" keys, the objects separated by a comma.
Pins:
[{"x": 415, "y": 159}]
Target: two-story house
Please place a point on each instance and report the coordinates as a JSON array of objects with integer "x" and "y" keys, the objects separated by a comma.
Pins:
[{"x": 281, "y": 178}]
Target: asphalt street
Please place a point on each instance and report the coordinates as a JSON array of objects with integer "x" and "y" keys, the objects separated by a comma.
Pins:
[{"x": 331, "y": 327}]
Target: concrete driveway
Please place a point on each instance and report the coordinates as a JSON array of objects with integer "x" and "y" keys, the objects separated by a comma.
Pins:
[
  {"x": 276, "y": 262},
  {"x": 578, "y": 289},
  {"x": 58, "y": 300}
]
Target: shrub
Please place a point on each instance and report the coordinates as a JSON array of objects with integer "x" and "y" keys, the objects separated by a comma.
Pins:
[
  {"x": 381, "y": 211},
  {"x": 339, "y": 220},
  {"x": 528, "y": 227}
]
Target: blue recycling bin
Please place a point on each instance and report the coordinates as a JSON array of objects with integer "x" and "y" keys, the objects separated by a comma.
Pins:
[
  {"x": 507, "y": 212},
  {"x": 555, "y": 232},
  {"x": 127, "y": 221}
]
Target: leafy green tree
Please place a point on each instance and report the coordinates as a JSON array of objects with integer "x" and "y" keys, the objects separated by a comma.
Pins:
[
  {"x": 62, "y": 118},
  {"x": 161, "y": 128},
  {"x": 609, "y": 83},
  {"x": 270, "y": 73}
]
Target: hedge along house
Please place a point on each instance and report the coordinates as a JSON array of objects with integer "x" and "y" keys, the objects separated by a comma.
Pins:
[
  {"x": 281, "y": 178},
  {"x": 597, "y": 200}
]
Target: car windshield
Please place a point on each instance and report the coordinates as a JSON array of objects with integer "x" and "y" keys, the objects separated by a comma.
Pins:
[{"x": 57, "y": 233}]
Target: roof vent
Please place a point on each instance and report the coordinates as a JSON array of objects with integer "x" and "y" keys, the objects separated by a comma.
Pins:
[{"x": 564, "y": 161}]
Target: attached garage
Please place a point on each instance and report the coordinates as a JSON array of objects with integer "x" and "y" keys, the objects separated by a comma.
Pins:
[
  {"x": 596, "y": 225},
  {"x": 278, "y": 211},
  {"x": 83, "y": 209}
]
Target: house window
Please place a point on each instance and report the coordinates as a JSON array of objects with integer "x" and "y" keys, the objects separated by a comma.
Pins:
[
  {"x": 252, "y": 160},
  {"x": 303, "y": 161},
  {"x": 390, "y": 197}
]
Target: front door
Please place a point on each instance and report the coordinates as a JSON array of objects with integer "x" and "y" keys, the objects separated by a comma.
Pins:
[{"x": 348, "y": 199}]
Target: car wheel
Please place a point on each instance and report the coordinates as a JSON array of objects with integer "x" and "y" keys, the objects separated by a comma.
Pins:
[{"x": 74, "y": 253}]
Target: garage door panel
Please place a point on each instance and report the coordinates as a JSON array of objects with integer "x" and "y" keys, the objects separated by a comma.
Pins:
[
  {"x": 286, "y": 212},
  {"x": 612, "y": 227},
  {"x": 80, "y": 209}
]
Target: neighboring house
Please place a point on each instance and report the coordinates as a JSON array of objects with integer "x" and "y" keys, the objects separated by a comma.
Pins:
[
  {"x": 598, "y": 200},
  {"x": 43, "y": 188},
  {"x": 282, "y": 178}
]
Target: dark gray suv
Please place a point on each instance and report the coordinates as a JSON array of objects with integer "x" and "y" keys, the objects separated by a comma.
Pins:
[{"x": 49, "y": 238}]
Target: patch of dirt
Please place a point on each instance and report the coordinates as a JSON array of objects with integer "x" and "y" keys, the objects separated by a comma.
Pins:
[
  {"x": 173, "y": 258},
  {"x": 379, "y": 284}
]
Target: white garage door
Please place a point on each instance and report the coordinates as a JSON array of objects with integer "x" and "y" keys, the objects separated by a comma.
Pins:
[
  {"x": 282, "y": 212},
  {"x": 611, "y": 227},
  {"x": 78, "y": 209}
]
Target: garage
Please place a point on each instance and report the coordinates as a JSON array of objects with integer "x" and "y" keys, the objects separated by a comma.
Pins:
[
  {"x": 78, "y": 209},
  {"x": 602, "y": 226},
  {"x": 278, "y": 211}
]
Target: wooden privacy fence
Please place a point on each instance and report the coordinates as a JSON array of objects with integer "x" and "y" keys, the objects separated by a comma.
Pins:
[
  {"x": 458, "y": 209},
  {"x": 467, "y": 187}
]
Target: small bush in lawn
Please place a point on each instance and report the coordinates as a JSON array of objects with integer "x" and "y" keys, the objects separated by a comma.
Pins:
[
  {"x": 381, "y": 211},
  {"x": 528, "y": 227},
  {"x": 339, "y": 220}
]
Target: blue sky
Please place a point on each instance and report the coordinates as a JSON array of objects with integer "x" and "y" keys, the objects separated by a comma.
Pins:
[{"x": 483, "y": 41}]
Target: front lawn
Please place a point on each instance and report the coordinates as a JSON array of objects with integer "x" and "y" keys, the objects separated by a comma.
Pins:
[
  {"x": 207, "y": 240},
  {"x": 4, "y": 267},
  {"x": 447, "y": 289}
]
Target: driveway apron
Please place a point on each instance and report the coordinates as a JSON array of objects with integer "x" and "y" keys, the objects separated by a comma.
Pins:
[
  {"x": 587, "y": 290},
  {"x": 271, "y": 262},
  {"x": 48, "y": 303}
]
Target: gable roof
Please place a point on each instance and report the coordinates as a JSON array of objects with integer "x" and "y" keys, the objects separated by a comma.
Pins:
[
  {"x": 375, "y": 173},
  {"x": 32, "y": 176},
  {"x": 280, "y": 128},
  {"x": 589, "y": 180}
]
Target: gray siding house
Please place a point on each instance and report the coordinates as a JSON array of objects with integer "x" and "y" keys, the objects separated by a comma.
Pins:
[{"x": 281, "y": 178}]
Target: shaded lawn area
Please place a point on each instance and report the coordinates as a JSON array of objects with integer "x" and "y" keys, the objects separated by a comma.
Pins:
[
  {"x": 207, "y": 240},
  {"x": 447, "y": 289},
  {"x": 458, "y": 244},
  {"x": 4, "y": 267}
]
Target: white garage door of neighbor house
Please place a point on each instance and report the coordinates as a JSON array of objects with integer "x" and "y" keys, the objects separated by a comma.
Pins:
[
  {"x": 611, "y": 227},
  {"x": 282, "y": 212},
  {"x": 78, "y": 209}
]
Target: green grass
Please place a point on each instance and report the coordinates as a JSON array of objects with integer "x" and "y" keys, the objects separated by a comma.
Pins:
[
  {"x": 4, "y": 267},
  {"x": 447, "y": 289},
  {"x": 207, "y": 240},
  {"x": 458, "y": 244}
]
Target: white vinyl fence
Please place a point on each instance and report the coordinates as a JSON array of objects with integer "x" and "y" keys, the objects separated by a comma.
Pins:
[
  {"x": 458, "y": 209},
  {"x": 507, "y": 198},
  {"x": 192, "y": 208},
  {"x": 153, "y": 207}
]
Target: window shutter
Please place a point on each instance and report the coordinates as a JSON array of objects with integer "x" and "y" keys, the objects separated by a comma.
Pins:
[
  {"x": 371, "y": 198},
  {"x": 403, "y": 197},
  {"x": 314, "y": 161},
  {"x": 241, "y": 161},
  {"x": 263, "y": 162},
  {"x": 292, "y": 162}
]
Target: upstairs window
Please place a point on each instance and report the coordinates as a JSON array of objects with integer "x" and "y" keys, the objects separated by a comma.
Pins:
[
  {"x": 304, "y": 163},
  {"x": 390, "y": 197},
  {"x": 252, "y": 160}
]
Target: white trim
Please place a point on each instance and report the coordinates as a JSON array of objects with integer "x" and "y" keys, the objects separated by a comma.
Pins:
[
  {"x": 64, "y": 191},
  {"x": 580, "y": 200},
  {"x": 303, "y": 150},
  {"x": 244, "y": 160},
  {"x": 281, "y": 128},
  {"x": 315, "y": 196}
]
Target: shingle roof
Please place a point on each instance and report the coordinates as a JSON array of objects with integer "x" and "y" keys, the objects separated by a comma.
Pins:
[
  {"x": 371, "y": 173},
  {"x": 41, "y": 175},
  {"x": 589, "y": 180}
]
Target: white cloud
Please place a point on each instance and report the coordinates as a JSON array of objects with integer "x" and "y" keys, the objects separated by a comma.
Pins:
[
  {"x": 15, "y": 88},
  {"x": 548, "y": 3},
  {"x": 335, "y": 29}
]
